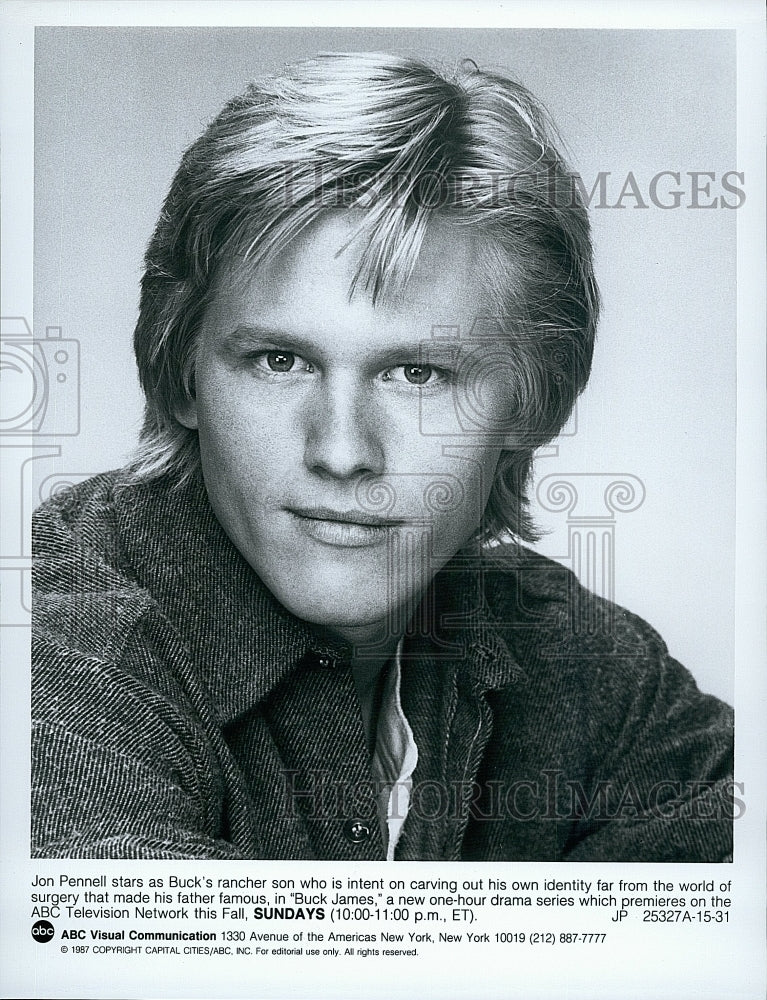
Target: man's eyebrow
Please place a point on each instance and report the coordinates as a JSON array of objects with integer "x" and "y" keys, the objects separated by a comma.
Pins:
[{"x": 248, "y": 336}]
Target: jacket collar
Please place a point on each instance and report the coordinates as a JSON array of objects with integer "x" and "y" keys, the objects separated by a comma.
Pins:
[{"x": 243, "y": 641}]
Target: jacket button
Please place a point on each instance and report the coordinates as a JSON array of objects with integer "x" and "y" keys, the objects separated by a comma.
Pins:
[
  {"x": 326, "y": 662},
  {"x": 356, "y": 831}
]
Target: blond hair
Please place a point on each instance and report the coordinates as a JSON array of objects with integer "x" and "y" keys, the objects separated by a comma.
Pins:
[{"x": 400, "y": 143}]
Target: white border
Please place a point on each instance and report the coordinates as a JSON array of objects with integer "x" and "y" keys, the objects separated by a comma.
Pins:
[{"x": 745, "y": 971}]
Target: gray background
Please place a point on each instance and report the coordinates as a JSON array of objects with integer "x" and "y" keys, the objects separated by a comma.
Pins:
[{"x": 115, "y": 108}]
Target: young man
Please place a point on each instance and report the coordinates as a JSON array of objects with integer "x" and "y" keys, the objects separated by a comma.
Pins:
[{"x": 302, "y": 624}]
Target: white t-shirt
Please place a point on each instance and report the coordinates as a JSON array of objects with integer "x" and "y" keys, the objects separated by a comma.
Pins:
[{"x": 394, "y": 758}]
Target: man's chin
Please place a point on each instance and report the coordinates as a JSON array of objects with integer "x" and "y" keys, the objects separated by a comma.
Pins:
[{"x": 349, "y": 614}]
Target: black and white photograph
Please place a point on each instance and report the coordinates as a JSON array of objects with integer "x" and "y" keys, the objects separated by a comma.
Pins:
[{"x": 379, "y": 523}]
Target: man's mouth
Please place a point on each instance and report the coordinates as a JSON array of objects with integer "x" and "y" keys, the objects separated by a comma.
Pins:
[
  {"x": 345, "y": 516},
  {"x": 343, "y": 528}
]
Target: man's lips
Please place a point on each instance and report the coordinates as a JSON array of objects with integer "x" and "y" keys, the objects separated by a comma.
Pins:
[
  {"x": 345, "y": 516},
  {"x": 343, "y": 529}
]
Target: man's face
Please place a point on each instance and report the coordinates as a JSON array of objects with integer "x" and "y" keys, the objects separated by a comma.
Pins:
[{"x": 330, "y": 430}]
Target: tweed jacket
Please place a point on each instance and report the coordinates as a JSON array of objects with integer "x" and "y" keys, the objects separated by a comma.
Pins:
[{"x": 179, "y": 711}]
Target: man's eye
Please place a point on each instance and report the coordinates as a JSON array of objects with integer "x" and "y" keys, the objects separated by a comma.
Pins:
[
  {"x": 418, "y": 374},
  {"x": 414, "y": 374},
  {"x": 280, "y": 361}
]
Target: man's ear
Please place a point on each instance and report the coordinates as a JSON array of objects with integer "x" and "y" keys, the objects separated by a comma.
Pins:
[
  {"x": 186, "y": 411},
  {"x": 186, "y": 414}
]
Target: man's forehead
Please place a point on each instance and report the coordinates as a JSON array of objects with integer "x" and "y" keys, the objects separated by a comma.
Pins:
[
  {"x": 451, "y": 267},
  {"x": 248, "y": 314}
]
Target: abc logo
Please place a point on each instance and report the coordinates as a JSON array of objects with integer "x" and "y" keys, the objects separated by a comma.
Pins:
[{"x": 42, "y": 931}]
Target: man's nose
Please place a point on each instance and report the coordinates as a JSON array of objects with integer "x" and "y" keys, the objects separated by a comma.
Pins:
[{"x": 343, "y": 430}]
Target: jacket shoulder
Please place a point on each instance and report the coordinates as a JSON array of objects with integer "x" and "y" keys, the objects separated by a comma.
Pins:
[
  {"x": 526, "y": 590},
  {"x": 85, "y": 510},
  {"x": 84, "y": 595}
]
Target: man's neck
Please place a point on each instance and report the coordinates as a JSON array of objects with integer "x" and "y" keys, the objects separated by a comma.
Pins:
[
  {"x": 373, "y": 647},
  {"x": 368, "y": 669}
]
